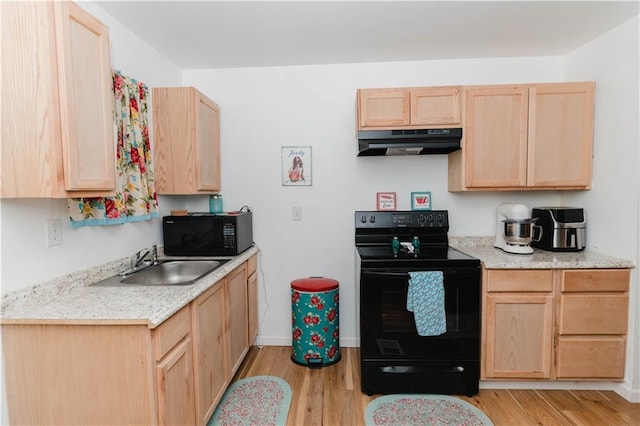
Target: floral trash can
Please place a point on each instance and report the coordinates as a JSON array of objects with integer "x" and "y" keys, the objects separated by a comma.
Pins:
[{"x": 314, "y": 322}]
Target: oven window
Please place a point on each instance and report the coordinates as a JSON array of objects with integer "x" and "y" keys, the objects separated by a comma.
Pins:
[
  {"x": 388, "y": 329},
  {"x": 396, "y": 317}
]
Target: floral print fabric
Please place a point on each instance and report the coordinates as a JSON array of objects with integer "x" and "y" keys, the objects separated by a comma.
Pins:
[
  {"x": 315, "y": 331},
  {"x": 136, "y": 198},
  {"x": 425, "y": 298}
]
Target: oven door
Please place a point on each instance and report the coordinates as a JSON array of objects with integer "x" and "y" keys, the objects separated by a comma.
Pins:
[{"x": 388, "y": 330}]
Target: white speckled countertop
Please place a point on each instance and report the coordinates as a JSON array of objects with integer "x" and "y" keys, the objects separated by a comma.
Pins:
[
  {"x": 495, "y": 258},
  {"x": 70, "y": 299}
]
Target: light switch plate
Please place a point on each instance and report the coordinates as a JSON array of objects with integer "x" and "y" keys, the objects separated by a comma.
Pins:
[{"x": 296, "y": 213}]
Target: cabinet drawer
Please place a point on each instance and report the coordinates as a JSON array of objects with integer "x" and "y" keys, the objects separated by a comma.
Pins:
[
  {"x": 593, "y": 313},
  {"x": 520, "y": 280},
  {"x": 595, "y": 280},
  {"x": 252, "y": 264},
  {"x": 591, "y": 357},
  {"x": 172, "y": 331}
]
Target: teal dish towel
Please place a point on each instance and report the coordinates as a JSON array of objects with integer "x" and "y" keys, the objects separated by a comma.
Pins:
[{"x": 425, "y": 298}]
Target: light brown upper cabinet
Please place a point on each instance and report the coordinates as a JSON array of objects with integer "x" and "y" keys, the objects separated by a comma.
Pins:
[
  {"x": 57, "y": 103},
  {"x": 537, "y": 136},
  {"x": 186, "y": 127},
  {"x": 408, "y": 108}
]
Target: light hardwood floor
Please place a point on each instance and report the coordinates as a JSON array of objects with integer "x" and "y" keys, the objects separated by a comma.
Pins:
[{"x": 331, "y": 396}]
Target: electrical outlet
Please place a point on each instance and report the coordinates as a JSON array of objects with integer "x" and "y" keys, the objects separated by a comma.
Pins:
[
  {"x": 296, "y": 213},
  {"x": 54, "y": 232}
]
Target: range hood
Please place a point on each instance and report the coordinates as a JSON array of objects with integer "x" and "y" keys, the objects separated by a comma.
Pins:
[{"x": 408, "y": 142}]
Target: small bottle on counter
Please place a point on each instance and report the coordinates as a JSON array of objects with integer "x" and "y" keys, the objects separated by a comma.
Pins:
[{"x": 215, "y": 203}]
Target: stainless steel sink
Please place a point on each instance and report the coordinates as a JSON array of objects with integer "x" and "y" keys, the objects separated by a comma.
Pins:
[{"x": 167, "y": 272}]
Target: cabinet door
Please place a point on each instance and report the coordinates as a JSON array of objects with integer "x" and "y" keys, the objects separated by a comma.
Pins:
[
  {"x": 175, "y": 386},
  {"x": 383, "y": 107},
  {"x": 207, "y": 144},
  {"x": 30, "y": 107},
  {"x": 435, "y": 106},
  {"x": 237, "y": 319},
  {"x": 495, "y": 137},
  {"x": 252, "y": 298},
  {"x": 51, "y": 139},
  {"x": 518, "y": 336},
  {"x": 210, "y": 344},
  {"x": 186, "y": 126},
  {"x": 561, "y": 135},
  {"x": 86, "y": 102}
]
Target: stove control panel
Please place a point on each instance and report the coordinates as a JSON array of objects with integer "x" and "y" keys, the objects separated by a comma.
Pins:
[{"x": 402, "y": 219}]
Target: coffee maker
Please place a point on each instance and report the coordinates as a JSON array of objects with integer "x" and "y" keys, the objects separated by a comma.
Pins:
[{"x": 514, "y": 228}]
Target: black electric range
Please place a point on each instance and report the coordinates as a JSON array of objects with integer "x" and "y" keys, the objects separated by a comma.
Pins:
[{"x": 395, "y": 358}]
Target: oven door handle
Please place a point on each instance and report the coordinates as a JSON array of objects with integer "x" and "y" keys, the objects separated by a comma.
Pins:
[{"x": 386, "y": 274}]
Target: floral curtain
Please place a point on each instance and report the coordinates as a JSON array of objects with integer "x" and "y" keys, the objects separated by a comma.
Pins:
[{"x": 135, "y": 197}]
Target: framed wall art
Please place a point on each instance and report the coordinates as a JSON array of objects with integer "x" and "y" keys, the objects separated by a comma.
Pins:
[
  {"x": 296, "y": 166},
  {"x": 421, "y": 201},
  {"x": 385, "y": 201}
]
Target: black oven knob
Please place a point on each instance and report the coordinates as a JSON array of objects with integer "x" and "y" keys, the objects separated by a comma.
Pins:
[
  {"x": 440, "y": 218},
  {"x": 430, "y": 217},
  {"x": 372, "y": 219},
  {"x": 363, "y": 219},
  {"x": 421, "y": 219}
]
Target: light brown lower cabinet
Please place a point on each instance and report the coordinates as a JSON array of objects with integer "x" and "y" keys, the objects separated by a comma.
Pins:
[
  {"x": 518, "y": 324},
  {"x": 555, "y": 324},
  {"x": 252, "y": 297},
  {"x": 174, "y": 369},
  {"x": 237, "y": 318},
  {"x": 592, "y": 324},
  {"x": 210, "y": 343},
  {"x": 174, "y": 374}
]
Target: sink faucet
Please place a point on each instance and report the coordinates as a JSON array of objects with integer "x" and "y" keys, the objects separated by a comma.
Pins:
[
  {"x": 140, "y": 256},
  {"x": 141, "y": 261}
]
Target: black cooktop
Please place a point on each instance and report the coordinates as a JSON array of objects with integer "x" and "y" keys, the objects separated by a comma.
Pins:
[
  {"x": 374, "y": 231},
  {"x": 381, "y": 257}
]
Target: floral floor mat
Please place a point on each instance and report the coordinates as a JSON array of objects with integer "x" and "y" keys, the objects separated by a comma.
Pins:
[
  {"x": 409, "y": 410},
  {"x": 259, "y": 400}
]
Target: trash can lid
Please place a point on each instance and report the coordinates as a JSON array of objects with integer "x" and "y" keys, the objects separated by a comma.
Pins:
[{"x": 314, "y": 284}]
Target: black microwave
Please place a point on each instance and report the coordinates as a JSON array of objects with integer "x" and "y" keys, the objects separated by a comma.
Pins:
[{"x": 204, "y": 234}]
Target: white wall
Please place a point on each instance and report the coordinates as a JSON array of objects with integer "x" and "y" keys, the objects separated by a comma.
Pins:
[
  {"x": 613, "y": 217},
  {"x": 263, "y": 109},
  {"x": 25, "y": 258}
]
